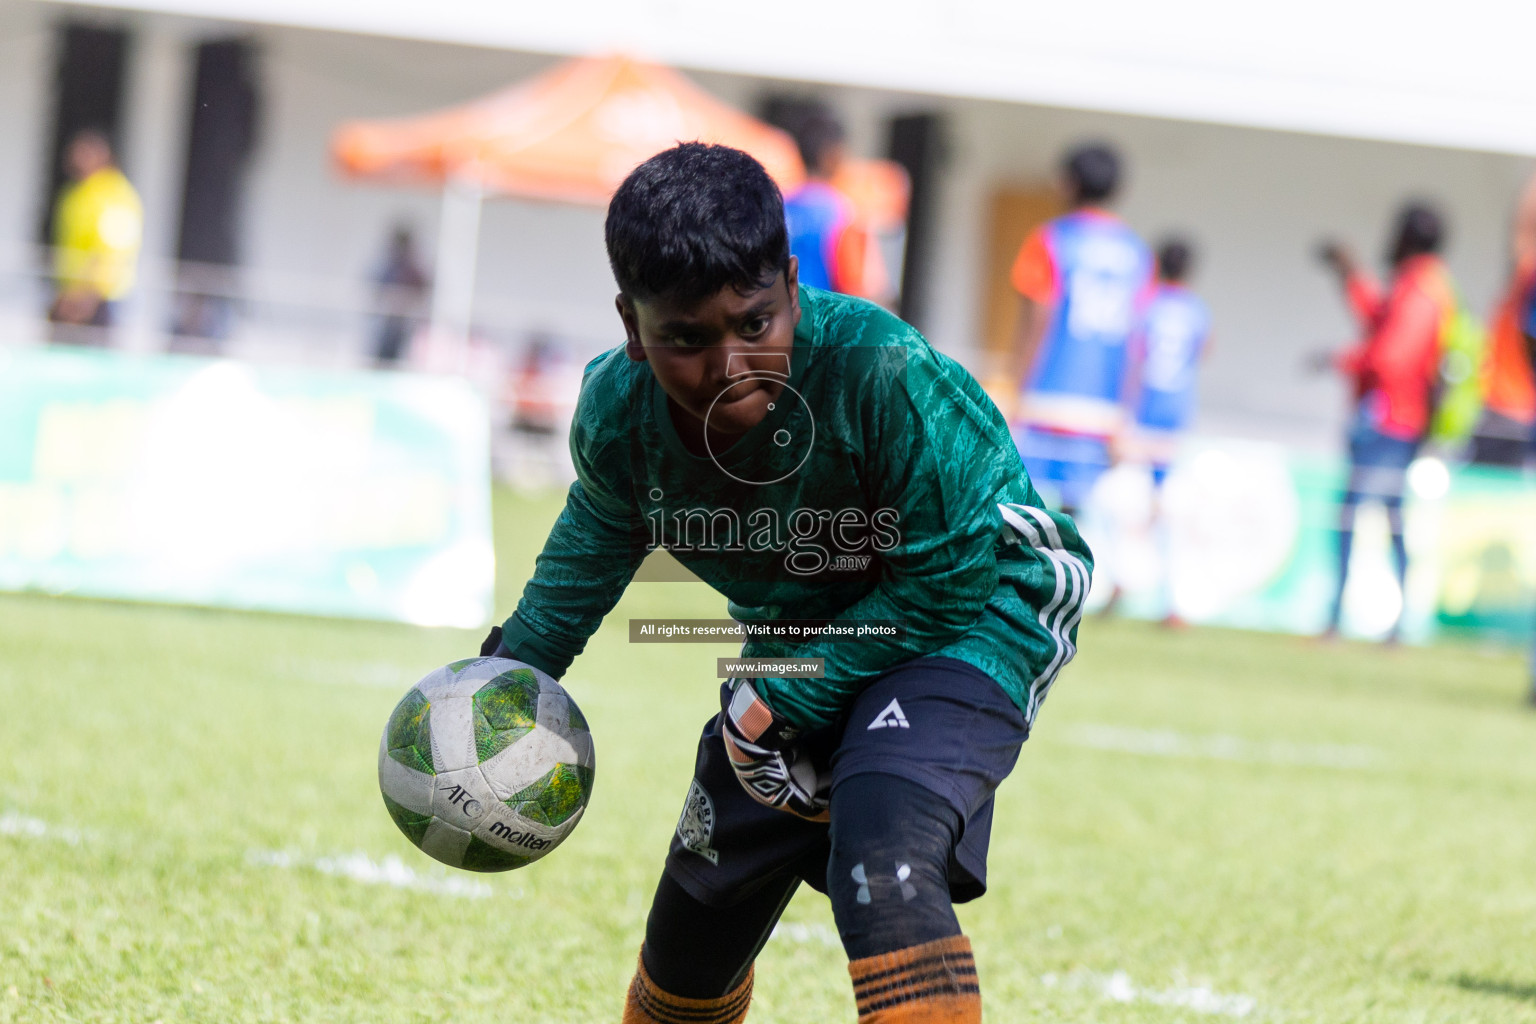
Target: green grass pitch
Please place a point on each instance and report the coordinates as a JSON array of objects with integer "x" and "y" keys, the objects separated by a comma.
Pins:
[{"x": 1206, "y": 826}]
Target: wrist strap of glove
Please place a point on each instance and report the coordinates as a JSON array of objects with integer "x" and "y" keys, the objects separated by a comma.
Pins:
[{"x": 751, "y": 719}]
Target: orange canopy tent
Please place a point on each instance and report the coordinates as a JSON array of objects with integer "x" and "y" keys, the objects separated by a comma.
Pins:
[{"x": 571, "y": 133}]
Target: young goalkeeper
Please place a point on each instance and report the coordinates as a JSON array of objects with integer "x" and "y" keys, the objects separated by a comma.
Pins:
[{"x": 811, "y": 457}]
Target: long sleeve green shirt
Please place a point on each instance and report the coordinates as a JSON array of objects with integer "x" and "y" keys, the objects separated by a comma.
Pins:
[{"x": 883, "y": 486}]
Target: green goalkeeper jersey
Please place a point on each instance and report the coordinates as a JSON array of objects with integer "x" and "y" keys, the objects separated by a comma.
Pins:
[{"x": 883, "y": 486}]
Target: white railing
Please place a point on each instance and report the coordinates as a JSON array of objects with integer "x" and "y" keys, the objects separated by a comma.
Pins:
[{"x": 271, "y": 315}]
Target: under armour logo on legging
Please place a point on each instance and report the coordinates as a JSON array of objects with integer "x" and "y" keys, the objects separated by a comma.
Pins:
[{"x": 903, "y": 872}]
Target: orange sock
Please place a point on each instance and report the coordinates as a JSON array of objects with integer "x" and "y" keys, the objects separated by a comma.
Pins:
[
  {"x": 648, "y": 1004},
  {"x": 934, "y": 983}
]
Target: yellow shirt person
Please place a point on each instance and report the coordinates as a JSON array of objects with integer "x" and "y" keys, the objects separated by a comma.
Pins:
[{"x": 98, "y": 227}]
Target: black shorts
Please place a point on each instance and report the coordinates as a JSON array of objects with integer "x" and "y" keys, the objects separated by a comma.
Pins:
[{"x": 938, "y": 722}]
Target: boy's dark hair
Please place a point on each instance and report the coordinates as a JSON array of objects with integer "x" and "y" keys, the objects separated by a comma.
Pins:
[
  {"x": 1093, "y": 172},
  {"x": 693, "y": 219},
  {"x": 1420, "y": 230},
  {"x": 1174, "y": 257},
  {"x": 817, "y": 136}
]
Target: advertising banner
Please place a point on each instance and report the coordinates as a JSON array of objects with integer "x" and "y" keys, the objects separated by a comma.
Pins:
[
  {"x": 202, "y": 481},
  {"x": 1248, "y": 537}
]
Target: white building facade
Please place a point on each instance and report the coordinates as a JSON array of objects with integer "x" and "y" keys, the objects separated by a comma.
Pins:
[{"x": 1256, "y": 140}]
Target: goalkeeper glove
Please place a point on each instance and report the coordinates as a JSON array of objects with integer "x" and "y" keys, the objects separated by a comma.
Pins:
[
  {"x": 768, "y": 762},
  {"x": 491, "y": 647}
]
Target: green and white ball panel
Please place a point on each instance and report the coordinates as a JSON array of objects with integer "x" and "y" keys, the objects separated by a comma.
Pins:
[
  {"x": 462, "y": 798},
  {"x": 445, "y": 843},
  {"x": 559, "y": 714},
  {"x": 408, "y": 734},
  {"x": 453, "y": 734},
  {"x": 486, "y": 764},
  {"x": 409, "y": 788},
  {"x": 506, "y": 830},
  {"x": 465, "y": 678},
  {"x": 527, "y": 761}
]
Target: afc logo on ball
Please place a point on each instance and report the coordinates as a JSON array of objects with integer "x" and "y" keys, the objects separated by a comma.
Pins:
[{"x": 460, "y": 798}]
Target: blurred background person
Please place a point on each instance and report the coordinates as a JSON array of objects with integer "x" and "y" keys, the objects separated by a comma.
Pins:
[
  {"x": 402, "y": 286},
  {"x": 1394, "y": 371},
  {"x": 98, "y": 227},
  {"x": 835, "y": 251},
  {"x": 540, "y": 394},
  {"x": 1528, "y": 329},
  {"x": 1503, "y": 435},
  {"x": 1165, "y": 358},
  {"x": 1081, "y": 278}
]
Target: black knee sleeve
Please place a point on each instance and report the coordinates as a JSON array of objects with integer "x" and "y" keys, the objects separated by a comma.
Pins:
[
  {"x": 697, "y": 951},
  {"x": 888, "y": 875}
]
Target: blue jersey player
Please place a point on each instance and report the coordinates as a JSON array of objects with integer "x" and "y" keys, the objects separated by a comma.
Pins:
[
  {"x": 1082, "y": 278},
  {"x": 1166, "y": 354},
  {"x": 834, "y": 251}
]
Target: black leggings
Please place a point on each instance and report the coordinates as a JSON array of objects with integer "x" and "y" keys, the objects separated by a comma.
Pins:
[{"x": 887, "y": 877}]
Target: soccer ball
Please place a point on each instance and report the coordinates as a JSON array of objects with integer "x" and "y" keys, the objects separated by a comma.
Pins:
[{"x": 486, "y": 764}]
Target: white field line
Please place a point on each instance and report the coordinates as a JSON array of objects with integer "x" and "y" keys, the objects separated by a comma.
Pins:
[
  {"x": 1219, "y": 747},
  {"x": 806, "y": 933},
  {"x": 359, "y": 867},
  {"x": 1119, "y": 988},
  {"x": 356, "y": 866},
  {"x": 14, "y": 824}
]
